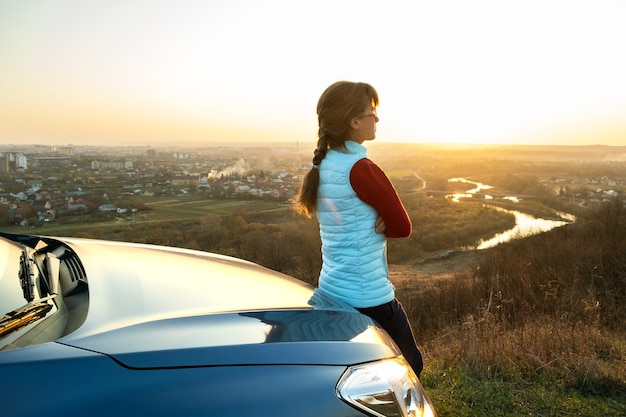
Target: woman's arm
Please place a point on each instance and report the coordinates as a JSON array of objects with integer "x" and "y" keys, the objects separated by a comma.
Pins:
[{"x": 373, "y": 186}]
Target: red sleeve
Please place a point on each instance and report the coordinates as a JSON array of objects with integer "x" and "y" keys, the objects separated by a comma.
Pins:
[{"x": 373, "y": 186}]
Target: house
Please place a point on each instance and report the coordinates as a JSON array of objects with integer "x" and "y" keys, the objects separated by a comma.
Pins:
[
  {"x": 182, "y": 180},
  {"x": 107, "y": 207},
  {"x": 242, "y": 189},
  {"x": 77, "y": 208}
]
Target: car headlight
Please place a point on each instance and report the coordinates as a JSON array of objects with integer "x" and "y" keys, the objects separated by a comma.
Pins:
[{"x": 385, "y": 388}]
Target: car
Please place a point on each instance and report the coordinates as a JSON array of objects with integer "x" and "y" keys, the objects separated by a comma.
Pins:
[{"x": 102, "y": 328}]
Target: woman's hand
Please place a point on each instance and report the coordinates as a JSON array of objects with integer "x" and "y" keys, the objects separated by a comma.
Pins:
[{"x": 380, "y": 225}]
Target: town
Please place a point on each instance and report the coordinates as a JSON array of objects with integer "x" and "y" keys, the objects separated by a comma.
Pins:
[{"x": 42, "y": 184}]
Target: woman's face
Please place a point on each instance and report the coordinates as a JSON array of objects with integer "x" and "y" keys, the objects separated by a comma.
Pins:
[{"x": 364, "y": 125}]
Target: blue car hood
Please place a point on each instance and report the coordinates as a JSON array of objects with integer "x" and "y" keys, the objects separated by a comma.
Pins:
[{"x": 315, "y": 337}]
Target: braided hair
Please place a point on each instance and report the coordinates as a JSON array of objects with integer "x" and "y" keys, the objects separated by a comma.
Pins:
[{"x": 337, "y": 106}]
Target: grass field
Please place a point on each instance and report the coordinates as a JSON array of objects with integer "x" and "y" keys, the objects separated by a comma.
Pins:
[
  {"x": 477, "y": 368},
  {"x": 168, "y": 208},
  {"x": 161, "y": 209}
]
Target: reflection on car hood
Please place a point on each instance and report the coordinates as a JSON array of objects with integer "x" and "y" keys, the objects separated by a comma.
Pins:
[
  {"x": 268, "y": 337},
  {"x": 153, "y": 306}
]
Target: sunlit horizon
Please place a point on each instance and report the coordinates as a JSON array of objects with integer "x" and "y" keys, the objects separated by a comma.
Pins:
[{"x": 196, "y": 72}]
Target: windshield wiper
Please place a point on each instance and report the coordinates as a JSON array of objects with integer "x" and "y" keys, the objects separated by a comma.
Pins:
[
  {"x": 27, "y": 275},
  {"x": 23, "y": 316}
]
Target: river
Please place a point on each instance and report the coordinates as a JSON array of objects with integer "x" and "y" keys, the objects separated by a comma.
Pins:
[{"x": 525, "y": 224}]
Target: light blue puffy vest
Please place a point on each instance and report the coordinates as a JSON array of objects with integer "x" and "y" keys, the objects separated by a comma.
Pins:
[{"x": 354, "y": 256}]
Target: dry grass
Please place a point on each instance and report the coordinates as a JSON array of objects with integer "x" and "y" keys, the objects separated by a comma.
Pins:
[
  {"x": 542, "y": 315},
  {"x": 480, "y": 362}
]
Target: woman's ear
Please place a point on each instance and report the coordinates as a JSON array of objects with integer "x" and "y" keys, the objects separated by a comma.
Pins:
[{"x": 354, "y": 123}]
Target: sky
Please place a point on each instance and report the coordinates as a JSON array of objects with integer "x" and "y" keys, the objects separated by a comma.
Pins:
[{"x": 147, "y": 72}]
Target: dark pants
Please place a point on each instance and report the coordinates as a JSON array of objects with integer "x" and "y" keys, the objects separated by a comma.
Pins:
[{"x": 392, "y": 317}]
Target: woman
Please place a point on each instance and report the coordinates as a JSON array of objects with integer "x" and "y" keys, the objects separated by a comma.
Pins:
[{"x": 358, "y": 209}]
